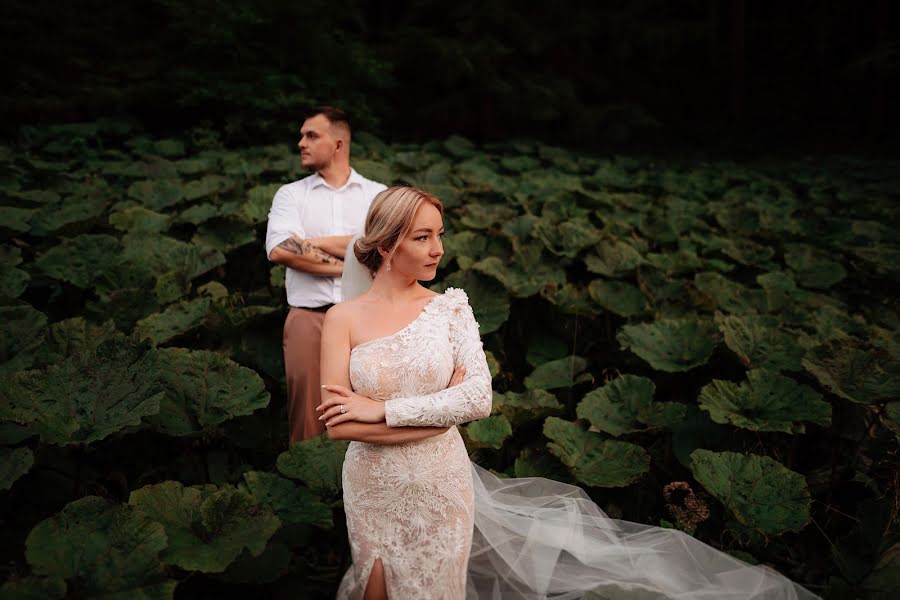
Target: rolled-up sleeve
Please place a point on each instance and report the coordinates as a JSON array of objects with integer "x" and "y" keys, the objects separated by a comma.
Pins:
[{"x": 284, "y": 219}]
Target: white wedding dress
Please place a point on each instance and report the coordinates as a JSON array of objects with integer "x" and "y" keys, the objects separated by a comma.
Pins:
[{"x": 444, "y": 527}]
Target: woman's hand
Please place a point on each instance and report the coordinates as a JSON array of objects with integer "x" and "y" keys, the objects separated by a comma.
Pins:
[
  {"x": 355, "y": 407},
  {"x": 457, "y": 377}
]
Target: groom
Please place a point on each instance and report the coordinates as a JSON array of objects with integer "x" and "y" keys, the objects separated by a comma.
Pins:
[{"x": 310, "y": 224}]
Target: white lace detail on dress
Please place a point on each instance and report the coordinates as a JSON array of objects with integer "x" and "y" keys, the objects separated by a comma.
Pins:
[
  {"x": 386, "y": 373},
  {"x": 412, "y": 505}
]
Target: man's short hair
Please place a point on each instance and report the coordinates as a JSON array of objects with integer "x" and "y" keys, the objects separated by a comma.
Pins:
[{"x": 333, "y": 114}]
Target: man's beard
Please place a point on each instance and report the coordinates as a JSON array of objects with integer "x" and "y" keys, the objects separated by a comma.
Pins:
[{"x": 312, "y": 167}]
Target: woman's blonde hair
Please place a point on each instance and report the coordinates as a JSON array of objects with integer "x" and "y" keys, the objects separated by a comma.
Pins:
[{"x": 389, "y": 219}]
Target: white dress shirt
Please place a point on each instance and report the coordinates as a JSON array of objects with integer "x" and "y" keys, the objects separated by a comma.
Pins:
[{"x": 311, "y": 208}]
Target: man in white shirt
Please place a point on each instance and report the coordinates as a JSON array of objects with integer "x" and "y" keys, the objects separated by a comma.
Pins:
[{"x": 310, "y": 224}]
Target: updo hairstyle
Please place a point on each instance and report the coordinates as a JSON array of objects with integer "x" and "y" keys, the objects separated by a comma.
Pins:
[{"x": 389, "y": 219}]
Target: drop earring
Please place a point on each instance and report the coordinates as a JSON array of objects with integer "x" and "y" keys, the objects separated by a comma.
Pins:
[{"x": 388, "y": 265}]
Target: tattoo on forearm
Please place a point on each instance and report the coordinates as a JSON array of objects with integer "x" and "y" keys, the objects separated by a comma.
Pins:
[{"x": 305, "y": 248}]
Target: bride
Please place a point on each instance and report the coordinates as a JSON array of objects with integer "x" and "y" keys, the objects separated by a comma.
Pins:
[{"x": 403, "y": 367}]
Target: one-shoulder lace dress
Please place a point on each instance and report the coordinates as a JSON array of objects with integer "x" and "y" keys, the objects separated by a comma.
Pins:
[
  {"x": 445, "y": 528},
  {"x": 411, "y": 505}
]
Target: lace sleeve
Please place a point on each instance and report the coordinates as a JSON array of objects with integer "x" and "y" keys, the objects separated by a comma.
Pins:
[{"x": 467, "y": 401}]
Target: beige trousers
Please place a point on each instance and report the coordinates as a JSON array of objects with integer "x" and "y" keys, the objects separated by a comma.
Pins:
[{"x": 301, "y": 344}]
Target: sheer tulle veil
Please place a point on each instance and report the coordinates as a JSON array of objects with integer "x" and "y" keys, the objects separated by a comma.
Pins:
[{"x": 536, "y": 538}]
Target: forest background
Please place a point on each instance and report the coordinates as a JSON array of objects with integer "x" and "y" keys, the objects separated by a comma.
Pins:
[
  {"x": 648, "y": 76},
  {"x": 676, "y": 222}
]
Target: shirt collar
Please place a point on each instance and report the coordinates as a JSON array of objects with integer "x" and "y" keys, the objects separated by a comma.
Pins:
[{"x": 355, "y": 178}]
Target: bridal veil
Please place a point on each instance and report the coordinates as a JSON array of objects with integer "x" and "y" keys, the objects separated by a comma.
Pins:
[{"x": 536, "y": 538}]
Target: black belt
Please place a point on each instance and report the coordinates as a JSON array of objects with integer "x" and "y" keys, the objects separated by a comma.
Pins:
[{"x": 316, "y": 308}]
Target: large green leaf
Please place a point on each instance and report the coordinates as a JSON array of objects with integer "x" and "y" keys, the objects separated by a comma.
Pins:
[
  {"x": 375, "y": 170},
  {"x": 14, "y": 462},
  {"x": 761, "y": 492},
  {"x": 293, "y": 503},
  {"x": 834, "y": 323},
  {"x": 157, "y": 194},
  {"x": 745, "y": 251},
  {"x": 571, "y": 300},
  {"x": 317, "y": 462},
  {"x": 255, "y": 208},
  {"x": 567, "y": 238},
  {"x": 86, "y": 204},
  {"x": 125, "y": 306},
  {"x": 671, "y": 344},
  {"x": 526, "y": 275},
  {"x": 518, "y": 230},
  {"x": 224, "y": 235},
  {"x": 490, "y": 431},
  {"x": 854, "y": 371},
  {"x": 563, "y": 372},
  {"x": 176, "y": 320},
  {"x": 668, "y": 296},
  {"x": 172, "y": 262},
  {"x": 613, "y": 258},
  {"x": 739, "y": 218},
  {"x": 520, "y": 163},
  {"x": 594, "y": 460},
  {"x": 88, "y": 396},
  {"x": 20, "y": 337},
  {"x": 208, "y": 185},
  {"x": 480, "y": 175},
  {"x": 780, "y": 289},
  {"x": 489, "y": 300},
  {"x": 16, "y": 219},
  {"x": 13, "y": 281},
  {"x": 617, "y": 297},
  {"x": 169, "y": 148},
  {"x": 231, "y": 312},
  {"x": 199, "y": 213},
  {"x": 814, "y": 268},
  {"x": 467, "y": 247},
  {"x": 730, "y": 296},
  {"x": 485, "y": 216},
  {"x": 760, "y": 343},
  {"x": 530, "y": 405},
  {"x": 70, "y": 337},
  {"x": 140, "y": 220},
  {"x": 459, "y": 146},
  {"x": 884, "y": 259},
  {"x": 207, "y": 527},
  {"x": 766, "y": 401},
  {"x": 204, "y": 389},
  {"x": 81, "y": 260},
  {"x": 625, "y": 405},
  {"x": 161, "y": 254},
  {"x": 108, "y": 550}
]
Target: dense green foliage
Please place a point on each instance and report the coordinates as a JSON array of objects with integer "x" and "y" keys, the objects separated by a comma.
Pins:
[
  {"x": 649, "y": 73},
  {"x": 724, "y": 329}
]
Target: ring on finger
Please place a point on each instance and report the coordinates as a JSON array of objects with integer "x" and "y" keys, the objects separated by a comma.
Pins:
[{"x": 343, "y": 408}]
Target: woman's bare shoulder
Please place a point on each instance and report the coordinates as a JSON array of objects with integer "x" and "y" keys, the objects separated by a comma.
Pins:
[
  {"x": 341, "y": 313},
  {"x": 348, "y": 310}
]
